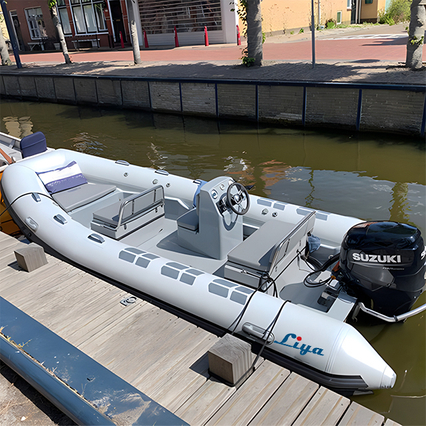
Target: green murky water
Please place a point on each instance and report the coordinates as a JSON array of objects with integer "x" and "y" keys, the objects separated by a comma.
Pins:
[{"x": 367, "y": 176}]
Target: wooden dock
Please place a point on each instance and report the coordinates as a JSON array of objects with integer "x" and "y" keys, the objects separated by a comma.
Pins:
[{"x": 163, "y": 355}]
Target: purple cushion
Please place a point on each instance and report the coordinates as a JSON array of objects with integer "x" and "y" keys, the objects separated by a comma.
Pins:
[{"x": 63, "y": 178}]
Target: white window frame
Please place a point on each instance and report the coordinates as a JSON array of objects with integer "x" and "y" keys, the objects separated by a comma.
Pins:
[
  {"x": 349, "y": 4},
  {"x": 339, "y": 13},
  {"x": 63, "y": 12},
  {"x": 79, "y": 11},
  {"x": 33, "y": 21}
]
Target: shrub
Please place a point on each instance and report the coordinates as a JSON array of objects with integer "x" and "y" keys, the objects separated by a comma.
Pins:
[{"x": 398, "y": 11}]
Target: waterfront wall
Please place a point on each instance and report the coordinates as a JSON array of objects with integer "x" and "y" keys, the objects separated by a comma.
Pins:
[{"x": 360, "y": 107}]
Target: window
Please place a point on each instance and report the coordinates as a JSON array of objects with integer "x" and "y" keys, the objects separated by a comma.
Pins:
[
  {"x": 88, "y": 16},
  {"x": 63, "y": 16},
  {"x": 339, "y": 17},
  {"x": 349, "y": 4},
  {"x": 36, "y": 23}
]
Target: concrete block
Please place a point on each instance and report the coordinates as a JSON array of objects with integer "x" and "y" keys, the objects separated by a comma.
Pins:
[
  {"x": 109, "y": 92},
  {"x": 199, "y": 99},
  {"x": 392, "y": 110},
  {"x": 282, "y": 104},
  {"x": 135, "y": 94},
  {"x": 165, "y": 96},
  {"x": 30, "y": 257},
  {"x": 11, "y": 85},
  {"x": 230, "y": 359},
  {"x": 45, "y": 88},
  {"x": 2, "y": 88},
  {"x": 236, "y": 100},
  {"x": 85, "y": 90},
  {"x": 64, "y": 87},
  {"x": 28, "y": 86},
  {"x": 328, "y": 105}
]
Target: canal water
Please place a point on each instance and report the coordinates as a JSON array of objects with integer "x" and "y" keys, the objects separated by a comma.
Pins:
[{"x": 370, "y": 176}]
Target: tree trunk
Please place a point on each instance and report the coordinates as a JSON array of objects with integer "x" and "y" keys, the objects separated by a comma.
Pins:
[
  {"x": 133, "y": 33},
  {"x": 416, "y": 35},
  {"x": 254, "y": 32},
  {"x": 5, "y": 60},
  {"x": 58, "y": 27}
]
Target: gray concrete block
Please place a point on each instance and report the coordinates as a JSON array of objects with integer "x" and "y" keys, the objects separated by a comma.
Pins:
[
  {"x": 11, "y": 85},
  {"x": 30, "y": 257},
  {"x": 135, "y": 94},
  {"x": 109, "y": 92},
  {"x": 45, "y": 88},
  {"x": 328, "y": 105},
  {"x": 236, "y": 100},
  {"x": 85, "y": 90},
  {"x": 392, "y": 110},
  {"x": 230, "y": 359},
  {"x": 199, "y": 99},
  {"x": 282, "y": 104},
  {"x": 165, "y": 96},
  {"x": 64, "y": 89},
  {"x": 28, "y": 86}
]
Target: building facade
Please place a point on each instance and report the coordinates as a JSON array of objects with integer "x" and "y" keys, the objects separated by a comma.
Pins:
[
  {"x": 104, "y": 23},
  {"x": 85, "y": 23}
]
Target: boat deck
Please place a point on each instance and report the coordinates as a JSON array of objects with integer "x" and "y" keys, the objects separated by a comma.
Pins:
[{"x": 163, "y": 355}]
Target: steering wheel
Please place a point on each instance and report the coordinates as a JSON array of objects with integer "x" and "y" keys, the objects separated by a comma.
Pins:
[{"x": 238, "y": 198}]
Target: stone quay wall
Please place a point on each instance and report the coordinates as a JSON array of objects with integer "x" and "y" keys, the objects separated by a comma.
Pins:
[{"x": 350, "y": 106}]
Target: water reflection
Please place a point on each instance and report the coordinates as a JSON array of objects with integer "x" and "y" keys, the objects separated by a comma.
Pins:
[{"x": 370, "y": 177}]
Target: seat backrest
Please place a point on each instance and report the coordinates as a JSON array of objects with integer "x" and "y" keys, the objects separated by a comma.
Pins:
[{"x": 33, "y": 144}]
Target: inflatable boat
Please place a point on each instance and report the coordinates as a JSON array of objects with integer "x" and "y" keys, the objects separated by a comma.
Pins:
[
  {"x": 10, "y": 152},
  {"x": 281, "y": 275}
]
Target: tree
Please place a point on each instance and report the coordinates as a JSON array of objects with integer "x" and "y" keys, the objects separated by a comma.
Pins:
[
  {"x": 416, "y": 34},
  {"x": 254, "y": 31},
  {"x": 133, "y": 32},
  {"x": 5, "y": 60},
  {"x": 55, "y": 19}
]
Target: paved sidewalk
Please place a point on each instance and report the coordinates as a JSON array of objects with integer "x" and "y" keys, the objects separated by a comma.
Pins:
[{"x": 371, "y": 54}]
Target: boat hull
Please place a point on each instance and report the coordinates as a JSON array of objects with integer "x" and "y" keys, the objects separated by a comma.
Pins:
[{"x": 334, "y": 351}]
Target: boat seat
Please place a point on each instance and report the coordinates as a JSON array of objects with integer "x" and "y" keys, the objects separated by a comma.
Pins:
[
  {"x": 268, "y": 251},
  {"x": 189, "y": 220},
  {"x": 123, "y": 217},
  {"x": 71, "y": 199}
]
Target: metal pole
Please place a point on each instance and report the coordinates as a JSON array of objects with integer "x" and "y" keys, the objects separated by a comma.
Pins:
[
  {"x": 313, "y": 33},
  {"x": 11, "y": 34}
]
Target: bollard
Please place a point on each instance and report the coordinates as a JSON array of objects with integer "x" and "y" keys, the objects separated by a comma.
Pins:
[
  {"x": 176, "y": 38},
  {"x": 206, "y": 37},
  {"x": 145, "y": 40},
  {"x": 238, "y": 36},
  {"x": 121, "y": 40}
]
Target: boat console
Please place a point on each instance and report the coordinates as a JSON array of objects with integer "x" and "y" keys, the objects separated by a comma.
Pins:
[{"x": 213, "y": 227}]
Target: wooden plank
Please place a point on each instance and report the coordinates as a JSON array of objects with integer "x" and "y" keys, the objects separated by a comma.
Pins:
[
  {"x": 325, "y": 408},
  {"x": 184, "y": 377},
  {"x": 390, "y": 422},
  {"x": 362, "y": 416},
  {"x": 205, "y": 402},
  {"x": 165, "y": 352},
  {"x": 243, "y": 406},
  {"x": 287, "y": 403}
]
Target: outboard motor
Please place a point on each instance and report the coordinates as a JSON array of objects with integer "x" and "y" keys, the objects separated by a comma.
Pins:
[{"x": 384, "y": 264}]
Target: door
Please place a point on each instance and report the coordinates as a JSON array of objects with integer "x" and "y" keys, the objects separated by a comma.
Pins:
[{"x": 117, "y": 20}]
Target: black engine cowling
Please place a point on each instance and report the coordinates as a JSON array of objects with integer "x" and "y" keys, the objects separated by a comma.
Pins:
[{"x": 384, "y": 264}]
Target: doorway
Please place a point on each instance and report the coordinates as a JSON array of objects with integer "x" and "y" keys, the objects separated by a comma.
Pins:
[{"x": 117, "y": 20}]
